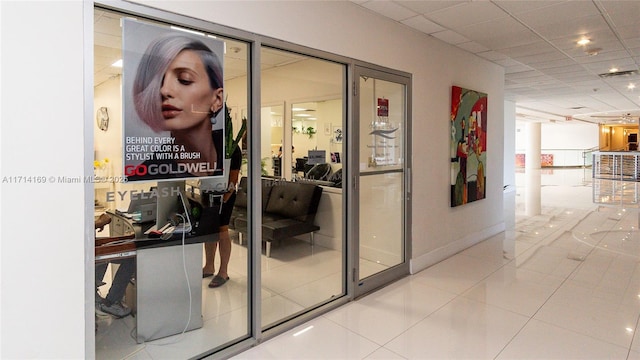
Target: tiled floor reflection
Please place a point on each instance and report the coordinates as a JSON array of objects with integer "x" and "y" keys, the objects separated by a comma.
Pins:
[
  {"x": 296, "y": 277},
  {"x": 562, "y": 282}
]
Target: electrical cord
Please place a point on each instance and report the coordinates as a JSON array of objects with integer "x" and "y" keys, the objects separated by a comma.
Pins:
[{"x": 186, "y": 275}]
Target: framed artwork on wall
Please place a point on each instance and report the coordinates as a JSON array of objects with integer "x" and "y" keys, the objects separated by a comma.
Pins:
[
  {"x": 337, "y": 135},
  {"x": 468, "y": 145}
]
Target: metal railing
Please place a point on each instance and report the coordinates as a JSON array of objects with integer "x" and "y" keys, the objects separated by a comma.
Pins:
[{"x": 617, "y": 165}]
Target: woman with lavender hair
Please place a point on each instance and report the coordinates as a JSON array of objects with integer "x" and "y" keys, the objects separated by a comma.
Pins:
[{"x": 178, "y": 88}]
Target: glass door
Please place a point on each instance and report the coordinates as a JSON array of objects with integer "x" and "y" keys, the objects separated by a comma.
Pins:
[{"x": 381, "y": 180}]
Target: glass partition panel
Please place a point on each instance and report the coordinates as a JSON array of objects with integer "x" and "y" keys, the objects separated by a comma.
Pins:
[
  {"x": 303, "y": 264},
  {"x": 272, "y": 137},
  {"x": 158, "y": 196}
]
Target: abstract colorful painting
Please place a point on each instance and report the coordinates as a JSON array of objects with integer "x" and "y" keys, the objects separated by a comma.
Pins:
[{"x": 468, "y": 145}]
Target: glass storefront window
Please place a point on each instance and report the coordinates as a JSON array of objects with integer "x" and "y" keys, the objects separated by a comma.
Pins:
[
  {"x": 157, "y": 182},
  {"x": 153, "y": 282},
  {"x": 302, "y": 122}
]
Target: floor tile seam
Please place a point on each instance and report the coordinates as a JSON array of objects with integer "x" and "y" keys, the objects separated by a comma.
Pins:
[
  {"x": 635, "y": 335},
  {"x": 457, "y": 296},
  {"x": 564, "y": 281},
  {"x": 391, "y": 351},
  {"x": 416, "y": 322},
  {"x": 583, "y": 333},
  {"x": 474, "y": 284},
  {"x": 598, "y": 247},
  {"x": 327, "y": 317},
  {"x": 533, "y": 316},
  {"x": 619, "y": 294},
  {"x": 555, "y": 234}
]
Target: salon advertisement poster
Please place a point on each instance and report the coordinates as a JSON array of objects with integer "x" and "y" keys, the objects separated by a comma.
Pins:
[{"x": 173, "y": 104}]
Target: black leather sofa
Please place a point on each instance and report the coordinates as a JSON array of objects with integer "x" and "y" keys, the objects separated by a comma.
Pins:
[{"x": 288, "y": 210}]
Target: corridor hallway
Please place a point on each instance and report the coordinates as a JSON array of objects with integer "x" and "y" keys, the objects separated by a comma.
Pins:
[{"x": 563, "y": 282}]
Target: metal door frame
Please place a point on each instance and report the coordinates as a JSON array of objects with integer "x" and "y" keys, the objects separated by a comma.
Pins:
[{"x": 360, "y": 287}]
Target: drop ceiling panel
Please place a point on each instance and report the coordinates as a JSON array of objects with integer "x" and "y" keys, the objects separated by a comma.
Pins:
[
  {"x": 515, "y": 69},
  {"x": 567, "y": 69},
  {"x": 473, "y": 47},
  {"x": 518, "y": 7},
  {"x": 561, "y": 12},
  {"x": 556, "y": 63},
  {"x": 529, "y": 75},
  {"x": 422, "y": 24},
  {"x": 466, "y": 14},
  {"x": 574, "y": 76},
  {"x": 541, "y": 58},
  {"x": 623, "y": 13},
  {"x": 570, "y": 26},
  {"x": 600, "y": 67},
  {"x": 603, "y": 56},
  {"x": 534, "y": 48},
  {"x": 500, "y": 34},
  {"x": 629, "y": 32},
  {"x": 450, "y": 37},
  {"x": 492, "y": 55},
  {"x": 390, "y": 9},
  {"x": 426, "y": 7}
]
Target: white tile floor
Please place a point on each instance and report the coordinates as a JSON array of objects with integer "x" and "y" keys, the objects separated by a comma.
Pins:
[{"x": 561, "y": 283}]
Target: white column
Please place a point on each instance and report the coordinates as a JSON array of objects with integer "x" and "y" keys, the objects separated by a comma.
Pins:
[
  {"x": 532, "y": 152},
  {"x": 533, "y": 198}
]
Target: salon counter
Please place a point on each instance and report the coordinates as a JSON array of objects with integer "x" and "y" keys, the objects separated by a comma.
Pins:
[{"x": 168, "y": 276}]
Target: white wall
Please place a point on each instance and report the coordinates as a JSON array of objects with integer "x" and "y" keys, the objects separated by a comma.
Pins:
[
  {"x": 45, "y": 296},
  {"x": 43, "y": 228},
  {"x": 569, "y": 136},
  {"x": 574, "y": 135}
]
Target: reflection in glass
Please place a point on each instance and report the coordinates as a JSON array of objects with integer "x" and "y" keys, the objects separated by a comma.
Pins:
[
  {"x": 306, "y": 270},
  {"x": 221, "y": 314},
  {"x": 272, "y": 138},
  {"x": 317, "y": 141},
  {"x": 381, "y": 204}
]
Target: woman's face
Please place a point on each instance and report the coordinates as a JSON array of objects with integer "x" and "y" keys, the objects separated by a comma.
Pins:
[{"x": 187, "y": 97}]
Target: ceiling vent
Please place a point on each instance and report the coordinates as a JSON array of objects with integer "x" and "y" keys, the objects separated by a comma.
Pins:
[{"x": 619, "y": 73}]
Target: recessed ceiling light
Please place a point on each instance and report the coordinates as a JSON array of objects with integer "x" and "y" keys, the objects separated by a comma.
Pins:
[
  {"x": 584, "y": 41},
  {"x": 631, "y": 86},
  {"x": 118, "y": 63},
  {"x": 613, "y": 69}
]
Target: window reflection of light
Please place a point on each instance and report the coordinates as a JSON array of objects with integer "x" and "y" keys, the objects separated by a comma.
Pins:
[{"x": 303, "y": 330}]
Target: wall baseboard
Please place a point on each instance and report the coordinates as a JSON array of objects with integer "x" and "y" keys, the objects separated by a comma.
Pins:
[{"x": 433, "y": 257}]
